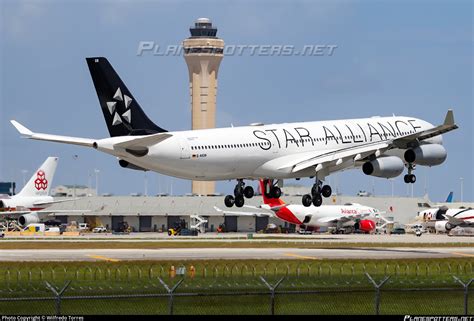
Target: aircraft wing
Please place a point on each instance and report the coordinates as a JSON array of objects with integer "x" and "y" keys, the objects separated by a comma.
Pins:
[
  {"x": 54, "y": 202},
  {"x": 447, "y": 126},
  {"x": 44, "y": 212},
  {"x": 242, "y": 213},
  {"x": 455, "y": 221},
  {"x": 355, "y": 153},
  {"x": 267, "y": 207},
  {"x": 145, "y": 141},
  {"x": 331, "y": 219}
]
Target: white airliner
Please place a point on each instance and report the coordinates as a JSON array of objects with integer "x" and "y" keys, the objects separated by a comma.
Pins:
[
  {"x": 35, "y": 194},
  {"x": 343, "y": 218},
  {"x": 29, "y": 205},
  {"x": 382, "y": 146},
  {"x": 445, "y": 219}
]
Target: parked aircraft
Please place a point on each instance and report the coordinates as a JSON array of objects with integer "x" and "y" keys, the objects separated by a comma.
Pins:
[
  {"x": 35, "y": 194},
  {"x": 381, "y": 146},
  {"x": 342, "y": 218},
  {"x": 29, "y": 206},
  {"x": 445, "y": 219}
]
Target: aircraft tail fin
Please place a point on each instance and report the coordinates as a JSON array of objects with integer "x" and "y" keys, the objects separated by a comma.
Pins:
[
  {"x": 123, "y": 115},
  {"x": 265, "y": 186},
  {"x": 450, "y": 198},
  {"x": 41, "y": 180}
]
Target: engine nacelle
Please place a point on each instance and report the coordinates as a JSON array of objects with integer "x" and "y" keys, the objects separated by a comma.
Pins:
[
  {"x": 387, "y": 167},
  {"x": 128, "y": 165},
  {"x": 443, "y": 226},
  {"x": 27, "y": 219},
  {"x": 426, "y": 155},
  {"x": 365, "y": 225}
]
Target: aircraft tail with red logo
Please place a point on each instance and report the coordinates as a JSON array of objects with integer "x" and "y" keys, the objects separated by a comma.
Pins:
[
  {"x": 41, "y": 180},
  {"x": 265, "y": 186}
]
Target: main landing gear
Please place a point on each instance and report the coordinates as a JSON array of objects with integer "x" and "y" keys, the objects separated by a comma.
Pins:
[
  {"x": 318, "y": 191},
  {"x": 410, "y": 178},
  {"x": 240, "y": 191}
]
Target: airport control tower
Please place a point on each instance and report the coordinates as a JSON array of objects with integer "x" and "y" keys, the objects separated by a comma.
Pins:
[{"x": 203, "y": 53}]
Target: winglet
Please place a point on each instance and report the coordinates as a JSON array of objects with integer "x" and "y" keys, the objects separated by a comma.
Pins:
[
  {"x": 449, "y": 119},
  {"x": 22, "y": 129}
]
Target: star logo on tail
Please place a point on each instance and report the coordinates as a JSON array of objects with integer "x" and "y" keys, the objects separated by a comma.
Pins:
[{"x": 126, "y": 116}]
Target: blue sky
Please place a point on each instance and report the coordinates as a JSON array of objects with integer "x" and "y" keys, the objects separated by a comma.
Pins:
[{"x": 410, "y": 58}]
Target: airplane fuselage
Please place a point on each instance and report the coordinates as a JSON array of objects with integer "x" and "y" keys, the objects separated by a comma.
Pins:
[
  {"x": 17, "y": 202},
  {"x": 254, "y": 152},
  {"x": 326, "y": 215}
]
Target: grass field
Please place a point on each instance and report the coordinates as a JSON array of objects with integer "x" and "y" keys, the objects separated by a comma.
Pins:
[{"x": 422, "y": 286}]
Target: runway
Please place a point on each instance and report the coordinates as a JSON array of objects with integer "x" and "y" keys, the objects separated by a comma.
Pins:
[{"x": 115, "y": 255}]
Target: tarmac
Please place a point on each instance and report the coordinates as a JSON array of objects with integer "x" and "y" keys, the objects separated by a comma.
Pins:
[
  {"x": 115, "y": 255},
  {"x": 251, "y": 237}
]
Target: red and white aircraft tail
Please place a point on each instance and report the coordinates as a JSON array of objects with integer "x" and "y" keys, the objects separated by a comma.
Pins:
[{"x": 41, "y": 180}]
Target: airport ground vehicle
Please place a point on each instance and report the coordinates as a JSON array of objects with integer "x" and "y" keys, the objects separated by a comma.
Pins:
[
  {"x": 99, "y": 229},
  {"x": 177, "y": 228},
  {"x": 123, "y": 228},
  {"x": 398, "y": 230},
  {"x": 83, "y": 226}
]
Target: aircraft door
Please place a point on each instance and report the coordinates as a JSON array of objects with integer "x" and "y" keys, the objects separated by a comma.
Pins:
[{"x": 185, "y": 149}]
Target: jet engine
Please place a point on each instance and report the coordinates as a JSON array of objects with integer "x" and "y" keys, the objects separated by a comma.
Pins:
[
  {"x": 426, "y": 155},
  {"x": 387, "y": 167},
  {"x": 27, "y": 219},
  {"x": 128, "y": 165},
  {"x": 443, "y": 226},
  {"x": 365, "y": 225}
]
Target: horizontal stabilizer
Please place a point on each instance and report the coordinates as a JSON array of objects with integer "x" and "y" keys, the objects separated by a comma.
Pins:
[
  {"x": 145, "y": 141},
  {"x": 25, "y": 132}
]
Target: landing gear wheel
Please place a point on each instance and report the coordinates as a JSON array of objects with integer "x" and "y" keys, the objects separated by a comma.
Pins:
[
  {"x": 248, "y": 192},
  {"x": 409, "y": 178},
  {"x": 326, "y": 191},
  {"x": 229, "y": 201},
  {"x": 317, "y": 200},
  {"x": 239, "y": 201},
  {"x": 238, "y": 191},
  {"x": 315, "y": 190},
  {"x": 306, "y": 200},
  {"x": 275, "y": 192}
]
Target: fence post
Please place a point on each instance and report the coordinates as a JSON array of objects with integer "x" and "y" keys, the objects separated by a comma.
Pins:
[
  {"x": 377, "y": 291},
  {"x": 171, "y": 293},
  {"x": 272, "y": 289},
  {"x": 466, "y": 291},
  {"x": 58, "y": 294}
]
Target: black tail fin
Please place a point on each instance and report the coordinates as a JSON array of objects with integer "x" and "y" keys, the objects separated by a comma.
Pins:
[{"x": 122, "y": 112}]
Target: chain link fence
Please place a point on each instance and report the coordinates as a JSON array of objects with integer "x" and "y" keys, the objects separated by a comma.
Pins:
[{"x": 300, "y": 288}]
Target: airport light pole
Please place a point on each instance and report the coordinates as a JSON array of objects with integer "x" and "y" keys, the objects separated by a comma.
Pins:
[
  {"x": 75, "y": 157},
  {"x": 391, "y": 180},
  {"x": 24, "y": 171},
  {"x": 96, "y": 171},
  {"x": 145, "y": 182},
  {"x": 462, "y": 188}
]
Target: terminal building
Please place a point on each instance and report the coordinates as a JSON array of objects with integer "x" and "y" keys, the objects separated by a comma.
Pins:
[{"x": 158, "y": 213}]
